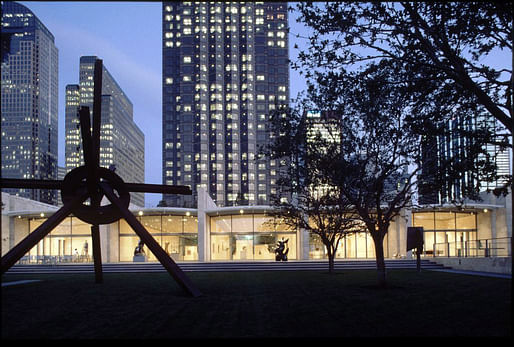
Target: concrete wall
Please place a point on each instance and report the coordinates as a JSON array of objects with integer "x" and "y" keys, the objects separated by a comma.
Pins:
[{"x": 501, "y": 265}]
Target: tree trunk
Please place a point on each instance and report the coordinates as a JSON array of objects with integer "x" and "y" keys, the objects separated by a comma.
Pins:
[
  {"x": 379, "y": 255},
  {"x": 330, "y": 260}
]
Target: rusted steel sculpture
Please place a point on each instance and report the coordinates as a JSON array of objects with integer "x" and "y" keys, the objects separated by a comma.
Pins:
[{"x": 94, "y": 182}]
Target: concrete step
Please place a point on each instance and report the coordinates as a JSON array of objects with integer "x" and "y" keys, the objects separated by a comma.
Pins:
[{"x": 221, "y": 266}]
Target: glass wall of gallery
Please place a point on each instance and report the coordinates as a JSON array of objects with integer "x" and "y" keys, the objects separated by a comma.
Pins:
[
  {"x": 237, "y": 237},
  {"x": 249, "y": 236},
  {"x": 71, "y": 240},
  {"x": 254, "y": 237},
  {"x": 176, "y": 234},
  {"x": 448, "y": 233},
  {"x": 356, "y": 245}
]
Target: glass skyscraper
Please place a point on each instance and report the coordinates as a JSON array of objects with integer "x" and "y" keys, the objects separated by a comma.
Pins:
[
  {"x": 122, "y": 143},
  {"x": 225, "y": 68},
  {"x": 454, "y": 146},
  {"x": 29, "y": 100}
]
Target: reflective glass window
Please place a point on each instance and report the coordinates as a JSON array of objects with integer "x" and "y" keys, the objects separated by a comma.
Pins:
[
  {"x": 221, "y": 224},
  {"x": 190, "y": 224},
  {"x": 171, "y": 224},
  {"x": 465, "y": 221},
  {"x": 444, "y": 220},
  {"x": 264, "y": 246},
  {"x": 424, "y": 219},
  {"x": 152, "y": 224},
  {"x": 263, "y": 223},
  {"x": 242, "y": 246},
  {"x": 243, "y": 223}
]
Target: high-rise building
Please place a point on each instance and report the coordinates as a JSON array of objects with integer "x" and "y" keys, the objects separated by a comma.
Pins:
[
  {"x": 454, "y": 146},
  {"x": 225, "y": 68},
  {"x": 122, "y": 143},
  {"x": 500, "y": 156},
  {"x": 29, "y": 101}
]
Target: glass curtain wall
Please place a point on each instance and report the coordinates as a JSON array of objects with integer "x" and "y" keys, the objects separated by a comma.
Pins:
[
  {"x": 177, "y": 235},
  {"x": 249, "y": 237},
  {"x": 447, "y": 233},
  {"x": 355, "y": 245},
  {"x": 70, "y": 241}
]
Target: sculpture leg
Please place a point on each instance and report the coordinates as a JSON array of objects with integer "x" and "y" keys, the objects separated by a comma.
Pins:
[
  {"x": 97, "y": 255},
  {"x": 11, "y": 257},
  {"x": 168, "y": 263}
]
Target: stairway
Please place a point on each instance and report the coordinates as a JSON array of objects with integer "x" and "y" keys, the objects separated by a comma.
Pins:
[{"x": 294, "y": 265}]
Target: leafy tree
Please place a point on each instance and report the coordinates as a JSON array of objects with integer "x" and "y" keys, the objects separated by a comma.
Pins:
[
  {"x": 306, "y": 198},
  {"x": 441, "y": 52},
  {"x": 379, "y": 160},
  {"x": 373, "y": 155},
  {"x": 442, "y": 42}
]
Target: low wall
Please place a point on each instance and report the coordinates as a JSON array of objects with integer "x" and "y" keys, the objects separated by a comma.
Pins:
[{"x": 501, "y": 265}]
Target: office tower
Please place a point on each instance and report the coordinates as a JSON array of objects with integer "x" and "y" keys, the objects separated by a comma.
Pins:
[
  {"x": 225, "y": 68},
  {"x": 122, "y": 143},
  {"x": 29, "y": 101},
  {"x": 500, "y": 156},
  {"x": 454, "y": 146}
]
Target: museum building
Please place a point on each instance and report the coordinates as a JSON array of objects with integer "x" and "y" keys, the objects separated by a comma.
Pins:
[{"x": 242, "y": 233}]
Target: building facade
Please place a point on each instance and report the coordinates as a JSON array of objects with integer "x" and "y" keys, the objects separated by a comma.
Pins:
[
  {"x": 29, "y": 101},
  {"x": 225, "y": 68},
  {"x": 455, "y": 146},
  {"x": 122, "y": 143},
  {"x": 211, "y": 233}
]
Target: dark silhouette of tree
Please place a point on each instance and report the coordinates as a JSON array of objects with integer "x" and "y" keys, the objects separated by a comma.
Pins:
[
  {"x": 441, "y": 41},
  {"x": 442, "y": 52},
  {"x": 374, "y": 153},
  {"x": 379, "y": 160},
  {"x": 162, "y": 203},
  {"x": 306, "y": 199}
]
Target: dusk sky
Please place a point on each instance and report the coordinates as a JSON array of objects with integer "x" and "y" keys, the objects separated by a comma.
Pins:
[{"x": 127, "y": 36}]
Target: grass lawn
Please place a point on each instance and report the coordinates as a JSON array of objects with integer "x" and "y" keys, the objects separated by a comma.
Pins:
[{"x": 256, "y": 304}]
